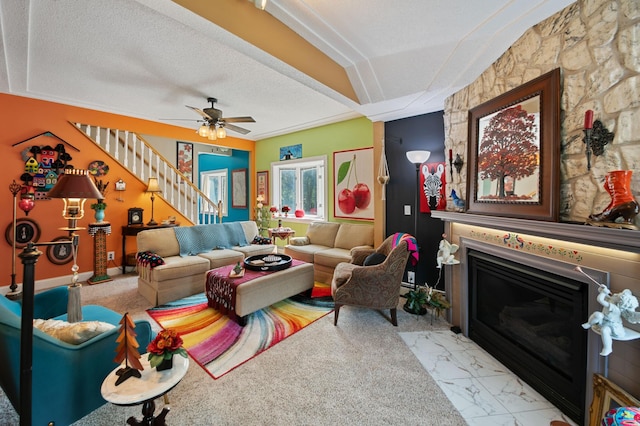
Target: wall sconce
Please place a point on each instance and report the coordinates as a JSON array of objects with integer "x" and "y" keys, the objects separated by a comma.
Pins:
[
  {"x": 153, "y": 187},
  {"x": 596, "y": 136},
  {"x": 457, "y": 163}
]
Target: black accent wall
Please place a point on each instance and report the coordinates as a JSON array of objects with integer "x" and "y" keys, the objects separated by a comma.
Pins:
[{"x": 423, "y": 132}]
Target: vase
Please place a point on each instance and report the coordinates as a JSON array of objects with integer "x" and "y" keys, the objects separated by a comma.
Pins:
[
  {"x": 99, "y": 215},
  {"x": 166, "y": 364}
]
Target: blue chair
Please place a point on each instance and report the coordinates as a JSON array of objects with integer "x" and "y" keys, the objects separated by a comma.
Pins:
[{"x": 66, "y": 378}]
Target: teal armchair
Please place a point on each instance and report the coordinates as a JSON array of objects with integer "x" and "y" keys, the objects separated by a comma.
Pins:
[{"x": 74, "y": 372}]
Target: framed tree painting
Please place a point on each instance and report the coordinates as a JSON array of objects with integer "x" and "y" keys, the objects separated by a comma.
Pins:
[
  {"x": 514, "y": 152},
  {"x": 184, "y": 159},
  {"x": 239, "y": 188},
  {"x": 353, "y": 184}
]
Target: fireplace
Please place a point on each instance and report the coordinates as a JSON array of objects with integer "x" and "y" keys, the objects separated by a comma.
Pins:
[{"x": 526, "y": 311}]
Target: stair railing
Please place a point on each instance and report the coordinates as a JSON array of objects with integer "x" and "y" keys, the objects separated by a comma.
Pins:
[{"x": 136, "y": 155}]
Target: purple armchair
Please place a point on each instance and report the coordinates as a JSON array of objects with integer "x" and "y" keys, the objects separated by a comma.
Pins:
[{"x": 375, "y": 286}]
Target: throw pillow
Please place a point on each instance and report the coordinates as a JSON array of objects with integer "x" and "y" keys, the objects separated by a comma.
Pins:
[
  {"x": 374, "y": 259},
  {"x": 148, "y": 258},
  {"x": 73, "y": 333},
  {"x": 261, "y": 240}
]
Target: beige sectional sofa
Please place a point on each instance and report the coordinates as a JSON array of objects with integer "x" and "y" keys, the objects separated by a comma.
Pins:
[
  {"x": 183, "y": 275},
  {"x": 328, "y": 243}
]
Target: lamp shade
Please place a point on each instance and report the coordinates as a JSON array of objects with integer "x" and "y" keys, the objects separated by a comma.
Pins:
[
  {"x": 74, "y": 187},
  {"x": 153, "y": 186},
  {"x": 75, "y": 184},
  {"x": 418, "y": 157},
  {"x": 222, "y": 133}
]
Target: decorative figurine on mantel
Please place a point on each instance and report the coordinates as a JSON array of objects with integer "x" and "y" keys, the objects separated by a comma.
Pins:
[{"x": 608, "y": 323}]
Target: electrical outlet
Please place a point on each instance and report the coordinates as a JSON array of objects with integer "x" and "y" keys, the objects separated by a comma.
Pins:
[
  {"x": 411, "y": 277},
  {"x": 111, "y": 255}
]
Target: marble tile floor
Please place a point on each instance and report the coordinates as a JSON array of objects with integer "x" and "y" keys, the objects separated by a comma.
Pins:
[{"x": 483, "y": 390}]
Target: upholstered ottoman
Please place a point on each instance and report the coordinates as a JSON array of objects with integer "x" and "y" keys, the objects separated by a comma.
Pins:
[{"x": 238, "y": 297}]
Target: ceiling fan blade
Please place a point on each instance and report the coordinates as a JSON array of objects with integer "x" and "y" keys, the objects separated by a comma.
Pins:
[
  {"x": 201, "y": 112},
  {"x": 239, "y": 120},
  {"x": 235, "y": 128}
]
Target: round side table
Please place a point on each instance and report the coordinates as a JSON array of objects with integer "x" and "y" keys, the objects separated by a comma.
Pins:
[{"x": 144, "y": 390}]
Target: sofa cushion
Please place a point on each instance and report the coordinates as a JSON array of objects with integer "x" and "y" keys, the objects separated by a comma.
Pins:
[
  {"x": 250, "y": 229},
  {"x": 191, "y": 240},
  {"x": 331, "y": 257},
  {"x": 255, "y": 249},
  {"x": 218, "y": 258},
  {"x": 213, "y": 237},
  {"x": 304, "y": 253},
  {"x": 161, "y": 241},
  {"x": 351, "y": 235},
  {"x": 235, "y": 234},
  {"x": 323, "y": 233},
  {"x": 177, "y": 267}
]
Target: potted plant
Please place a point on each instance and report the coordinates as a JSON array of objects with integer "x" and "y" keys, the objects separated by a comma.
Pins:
[
  {"x": 286, "y": 210},
  {"x": 99, "y": 207},
  {"x": 161, "y": 350},
  {"x": 416, "y": 301}
]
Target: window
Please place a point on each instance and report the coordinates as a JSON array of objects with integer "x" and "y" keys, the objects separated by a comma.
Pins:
[
  {"x": 300, "y": 184},
  {"x": 214, "y": 186}
]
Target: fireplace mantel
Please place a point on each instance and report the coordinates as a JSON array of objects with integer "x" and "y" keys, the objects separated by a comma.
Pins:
[{"x": 619, "y": 239}]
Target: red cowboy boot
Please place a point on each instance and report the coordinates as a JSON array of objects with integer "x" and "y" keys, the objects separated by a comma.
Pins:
[{"x": 623, "y": 205}]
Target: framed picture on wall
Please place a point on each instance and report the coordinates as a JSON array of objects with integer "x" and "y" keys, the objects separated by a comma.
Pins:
[
  {"x": 239, "y": 188},
  {"x": 59, "y": 254},
  {"x": 524, "y": 125},
  {"x": 184, "y": 159},
  {"x": 26, "y": 230},
  {"x": 353, "y": 184},
  {"x": 262, "y": 186}
]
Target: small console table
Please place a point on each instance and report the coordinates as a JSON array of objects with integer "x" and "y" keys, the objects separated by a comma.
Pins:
[
  {"x": 151, "y": 385},
  {"x": 132, "y": 231},
  {"x": 283, "y": 233}
]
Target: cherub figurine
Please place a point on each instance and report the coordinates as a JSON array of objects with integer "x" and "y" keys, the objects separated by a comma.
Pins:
[
  {"x": 446, "y": 252},
  {"x": 608, "y": 323}
]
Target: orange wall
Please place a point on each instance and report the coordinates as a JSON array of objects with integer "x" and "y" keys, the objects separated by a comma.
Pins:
[{"x": 23, "y": 118}]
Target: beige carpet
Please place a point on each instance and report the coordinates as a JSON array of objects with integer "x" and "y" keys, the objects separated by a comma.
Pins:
[{"x": 359, "y": 372}]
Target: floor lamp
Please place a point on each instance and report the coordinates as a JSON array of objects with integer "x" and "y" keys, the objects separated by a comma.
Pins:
[
  {"x": 74, "y": 187},
  {"x": 417, "y": 158}
]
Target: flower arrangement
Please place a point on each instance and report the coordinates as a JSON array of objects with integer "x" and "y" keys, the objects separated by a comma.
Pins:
[
  {"x": 164, "y": 346},
  {"x": 285, "y": 209},
  {"x": 273, "y": 209}
]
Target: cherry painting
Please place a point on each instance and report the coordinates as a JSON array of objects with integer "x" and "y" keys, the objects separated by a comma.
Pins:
[{"x": 353, "y": 184}]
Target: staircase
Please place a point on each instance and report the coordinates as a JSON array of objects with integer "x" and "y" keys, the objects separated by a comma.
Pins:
[{"x": 143, "y": 161}]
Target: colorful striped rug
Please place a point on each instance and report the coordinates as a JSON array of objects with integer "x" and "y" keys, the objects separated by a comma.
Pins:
[{"x": 219, "y": 345}]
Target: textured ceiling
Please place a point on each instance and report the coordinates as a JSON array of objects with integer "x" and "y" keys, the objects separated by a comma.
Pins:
[{"x": 150, "y": 58}]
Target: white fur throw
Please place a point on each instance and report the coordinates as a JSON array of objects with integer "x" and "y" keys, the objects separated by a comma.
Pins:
[{"x": 73, "y": 333}]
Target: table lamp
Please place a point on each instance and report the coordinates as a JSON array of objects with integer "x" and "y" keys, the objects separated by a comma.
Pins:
[{"x": 153, "y": 187}]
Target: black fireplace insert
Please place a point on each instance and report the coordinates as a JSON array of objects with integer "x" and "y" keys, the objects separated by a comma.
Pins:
[{"x": 530, "y": 320}]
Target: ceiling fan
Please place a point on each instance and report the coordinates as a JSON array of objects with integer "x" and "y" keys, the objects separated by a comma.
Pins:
[{"x": 215, "y": 124}]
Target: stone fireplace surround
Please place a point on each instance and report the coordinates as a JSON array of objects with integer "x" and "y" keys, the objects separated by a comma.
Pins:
[{"x": 611, "y": 256}]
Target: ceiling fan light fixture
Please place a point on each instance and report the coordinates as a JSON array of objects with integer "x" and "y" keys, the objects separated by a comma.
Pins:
[
  {"x": 203, "y": 131},
  {"x": 212, "y": 133},
  {"x": 221, "y": 132},
  {"x": 260, "y": 4}
]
